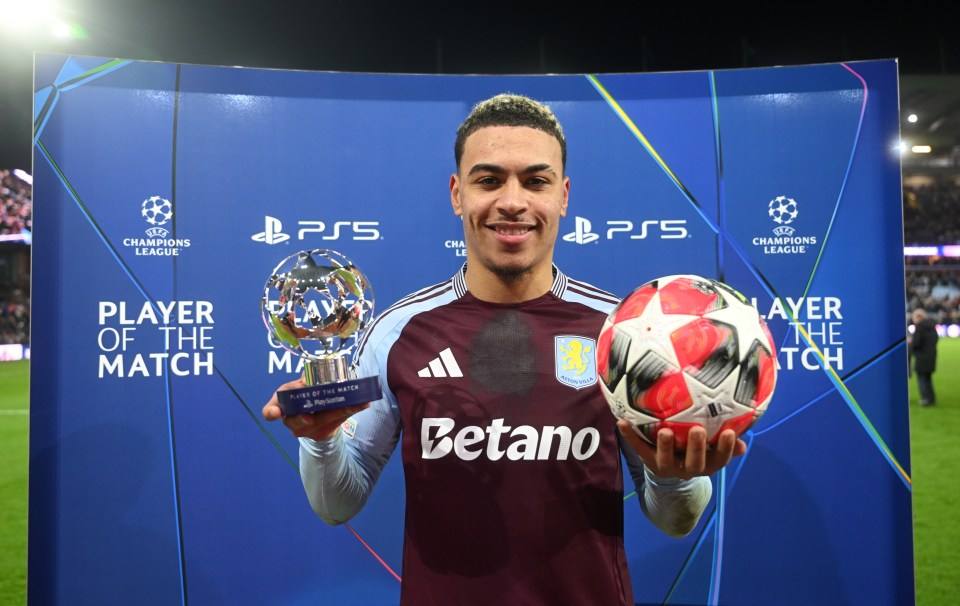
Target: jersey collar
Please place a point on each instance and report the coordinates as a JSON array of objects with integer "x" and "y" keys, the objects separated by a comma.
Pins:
[{"x": 558, "y": 287}]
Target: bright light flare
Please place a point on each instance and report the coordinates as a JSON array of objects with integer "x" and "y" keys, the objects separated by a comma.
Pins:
[
  {"x": 19, "y": 13},
  {"x": 921, "y": 149},
  {"x": 60, "y": 29},
  {"x": 912, "y": 118},
  {"x": 29, "y": 19}
]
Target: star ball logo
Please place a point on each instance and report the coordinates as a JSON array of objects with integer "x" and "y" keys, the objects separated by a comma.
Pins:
[
  {"x": 157, "y": 211},
  {"x": 784, "y": 210}
]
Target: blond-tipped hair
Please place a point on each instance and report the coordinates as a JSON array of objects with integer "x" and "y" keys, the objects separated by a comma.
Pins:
[{"x": 508, "y": 109}]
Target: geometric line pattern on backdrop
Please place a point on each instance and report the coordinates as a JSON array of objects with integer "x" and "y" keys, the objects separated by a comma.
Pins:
[
  {"x": 739, "y": 462},
  {"x": 839, "y": 385},
  {"x": 831, "y": 374},
  {"x": 150, "y": 299},
  {"x": 40, "y": 121}
]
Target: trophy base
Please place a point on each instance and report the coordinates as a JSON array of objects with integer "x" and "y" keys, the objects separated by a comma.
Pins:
[{"x": 329, "y": 386}]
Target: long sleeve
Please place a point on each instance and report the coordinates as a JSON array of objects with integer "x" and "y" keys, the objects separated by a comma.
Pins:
[
  {"x": 674, "y": 506},
  {"x": 339, "y": 473}
]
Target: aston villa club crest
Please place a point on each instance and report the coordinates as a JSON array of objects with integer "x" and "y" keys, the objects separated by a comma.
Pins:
[{"x": 575, "y": 361}]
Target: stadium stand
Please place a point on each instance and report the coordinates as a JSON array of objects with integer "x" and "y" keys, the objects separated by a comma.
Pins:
[
  {"x": 16, "y": 218},
  {"x": 930, "y": 219},
  {"x": 16, "y": 208}
]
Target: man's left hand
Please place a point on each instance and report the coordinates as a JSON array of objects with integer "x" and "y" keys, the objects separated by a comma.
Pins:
[{"x": 665, "y": 461}]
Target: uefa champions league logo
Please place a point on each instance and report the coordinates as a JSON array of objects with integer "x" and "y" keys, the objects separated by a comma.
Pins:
[
  {"x": 783, "y": 211},
  {"x": 156, "y": 211}
]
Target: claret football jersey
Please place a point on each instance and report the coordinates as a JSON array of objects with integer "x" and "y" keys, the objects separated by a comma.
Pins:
[{"x": 514, "y": 488}]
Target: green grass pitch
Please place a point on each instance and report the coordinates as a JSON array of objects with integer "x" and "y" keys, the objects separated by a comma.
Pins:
[{"x": 14, "y": 454}]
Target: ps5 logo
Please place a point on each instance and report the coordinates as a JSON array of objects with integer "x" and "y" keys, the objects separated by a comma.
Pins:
[
  {"x": 664, "y": 229},
  {"x": 355, "y": 230},
  {"x": 272, "y": 232},
  {"x": 582, "y": 233}
]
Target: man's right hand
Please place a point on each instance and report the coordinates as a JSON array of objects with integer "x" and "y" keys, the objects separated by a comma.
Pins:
[{"x": 316, "y": 425}]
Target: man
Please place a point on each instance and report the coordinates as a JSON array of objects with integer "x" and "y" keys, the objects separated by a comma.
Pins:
[
  {"x": 923, "y": 348},
  {"x": 513, "y": 479}
]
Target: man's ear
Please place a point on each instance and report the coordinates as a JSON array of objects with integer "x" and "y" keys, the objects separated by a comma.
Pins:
[
  {"x": 566, "y": 196},
  {"x": 455, "y": 195}
]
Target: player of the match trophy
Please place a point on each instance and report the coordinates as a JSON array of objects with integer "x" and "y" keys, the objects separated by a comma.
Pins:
[{"x": 315, "y": 305}]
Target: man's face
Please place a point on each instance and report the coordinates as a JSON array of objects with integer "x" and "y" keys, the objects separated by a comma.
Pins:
[{"x": 511, "y": 192}]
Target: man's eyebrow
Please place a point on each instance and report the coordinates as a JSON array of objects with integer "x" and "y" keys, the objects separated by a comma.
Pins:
[
  {"x": 499, "y": 170},
  {"x": 487, "y": 168}
]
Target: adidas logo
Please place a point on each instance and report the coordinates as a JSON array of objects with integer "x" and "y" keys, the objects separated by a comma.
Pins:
[{"x": 443, "y": 366}]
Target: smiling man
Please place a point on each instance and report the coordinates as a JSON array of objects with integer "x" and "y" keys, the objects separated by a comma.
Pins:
[
  {"x": 511, "y": 191},
  {"x": 512, "y": 459}
]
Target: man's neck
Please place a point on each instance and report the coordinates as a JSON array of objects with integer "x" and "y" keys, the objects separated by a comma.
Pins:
[{"x": 488, "y": 286}]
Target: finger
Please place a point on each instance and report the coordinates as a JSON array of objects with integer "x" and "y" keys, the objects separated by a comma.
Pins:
[
  {"x": 295, "y": 384},
  {"x": 321, "y": 425},
  {"x": 666, "y": 456},
  {"x": 725, "y": 446},
  {"x": 271, "y": 411},
  {"x": 696, "y": 456}
]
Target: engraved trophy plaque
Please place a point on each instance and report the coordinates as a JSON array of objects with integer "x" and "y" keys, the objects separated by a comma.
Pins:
[{"x": 315, "y": 305}]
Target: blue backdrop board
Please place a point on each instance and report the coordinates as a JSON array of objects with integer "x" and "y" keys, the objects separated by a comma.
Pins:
[{"x": 165, "y": 194}]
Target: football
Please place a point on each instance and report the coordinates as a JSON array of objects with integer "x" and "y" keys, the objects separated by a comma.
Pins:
[{"x": 682, "y": 351}]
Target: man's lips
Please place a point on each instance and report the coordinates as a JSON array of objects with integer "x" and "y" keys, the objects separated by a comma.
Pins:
[
  {"x": 511, "y": 229},
  {"x": 511, "y": 234}
]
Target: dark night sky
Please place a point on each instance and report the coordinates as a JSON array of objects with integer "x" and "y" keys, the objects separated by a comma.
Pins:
[{"x": 432, "y": 37}]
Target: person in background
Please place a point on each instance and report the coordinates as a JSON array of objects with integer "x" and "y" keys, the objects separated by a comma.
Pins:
[{"x": 923, "y": 349}]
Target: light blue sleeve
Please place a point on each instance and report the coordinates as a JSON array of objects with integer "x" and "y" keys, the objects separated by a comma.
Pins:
[
  {"x": 672, "y": 505},
  {"x": 339, "y": 473}
]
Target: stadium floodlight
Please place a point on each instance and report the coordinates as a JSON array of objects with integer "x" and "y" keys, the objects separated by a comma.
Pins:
[
  {"x": 60, "y": 29},
  {"x": 24, "y": 13},
  {"x": 28, "y": 18}
]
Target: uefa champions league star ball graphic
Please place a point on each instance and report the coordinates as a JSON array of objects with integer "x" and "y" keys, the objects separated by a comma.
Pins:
[
  {"x": 782, "y": 210},
  {"x": 314, "y": 302},
  {"x": 682, "y": 351},
  {"x": 156, "y": 210}
]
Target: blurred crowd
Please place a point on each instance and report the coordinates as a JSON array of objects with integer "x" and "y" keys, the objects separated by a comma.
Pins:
[
  {"x": 16, "y": 217},
  {"x": 930, "y": 217},
  {"x": 16, "y": 207},
  {"x": 937, "y": 292},
  {"x": 15, "y": 321}
]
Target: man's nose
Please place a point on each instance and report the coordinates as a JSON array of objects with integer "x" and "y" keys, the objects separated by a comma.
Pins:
[{"x": 513, "y": 200}]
